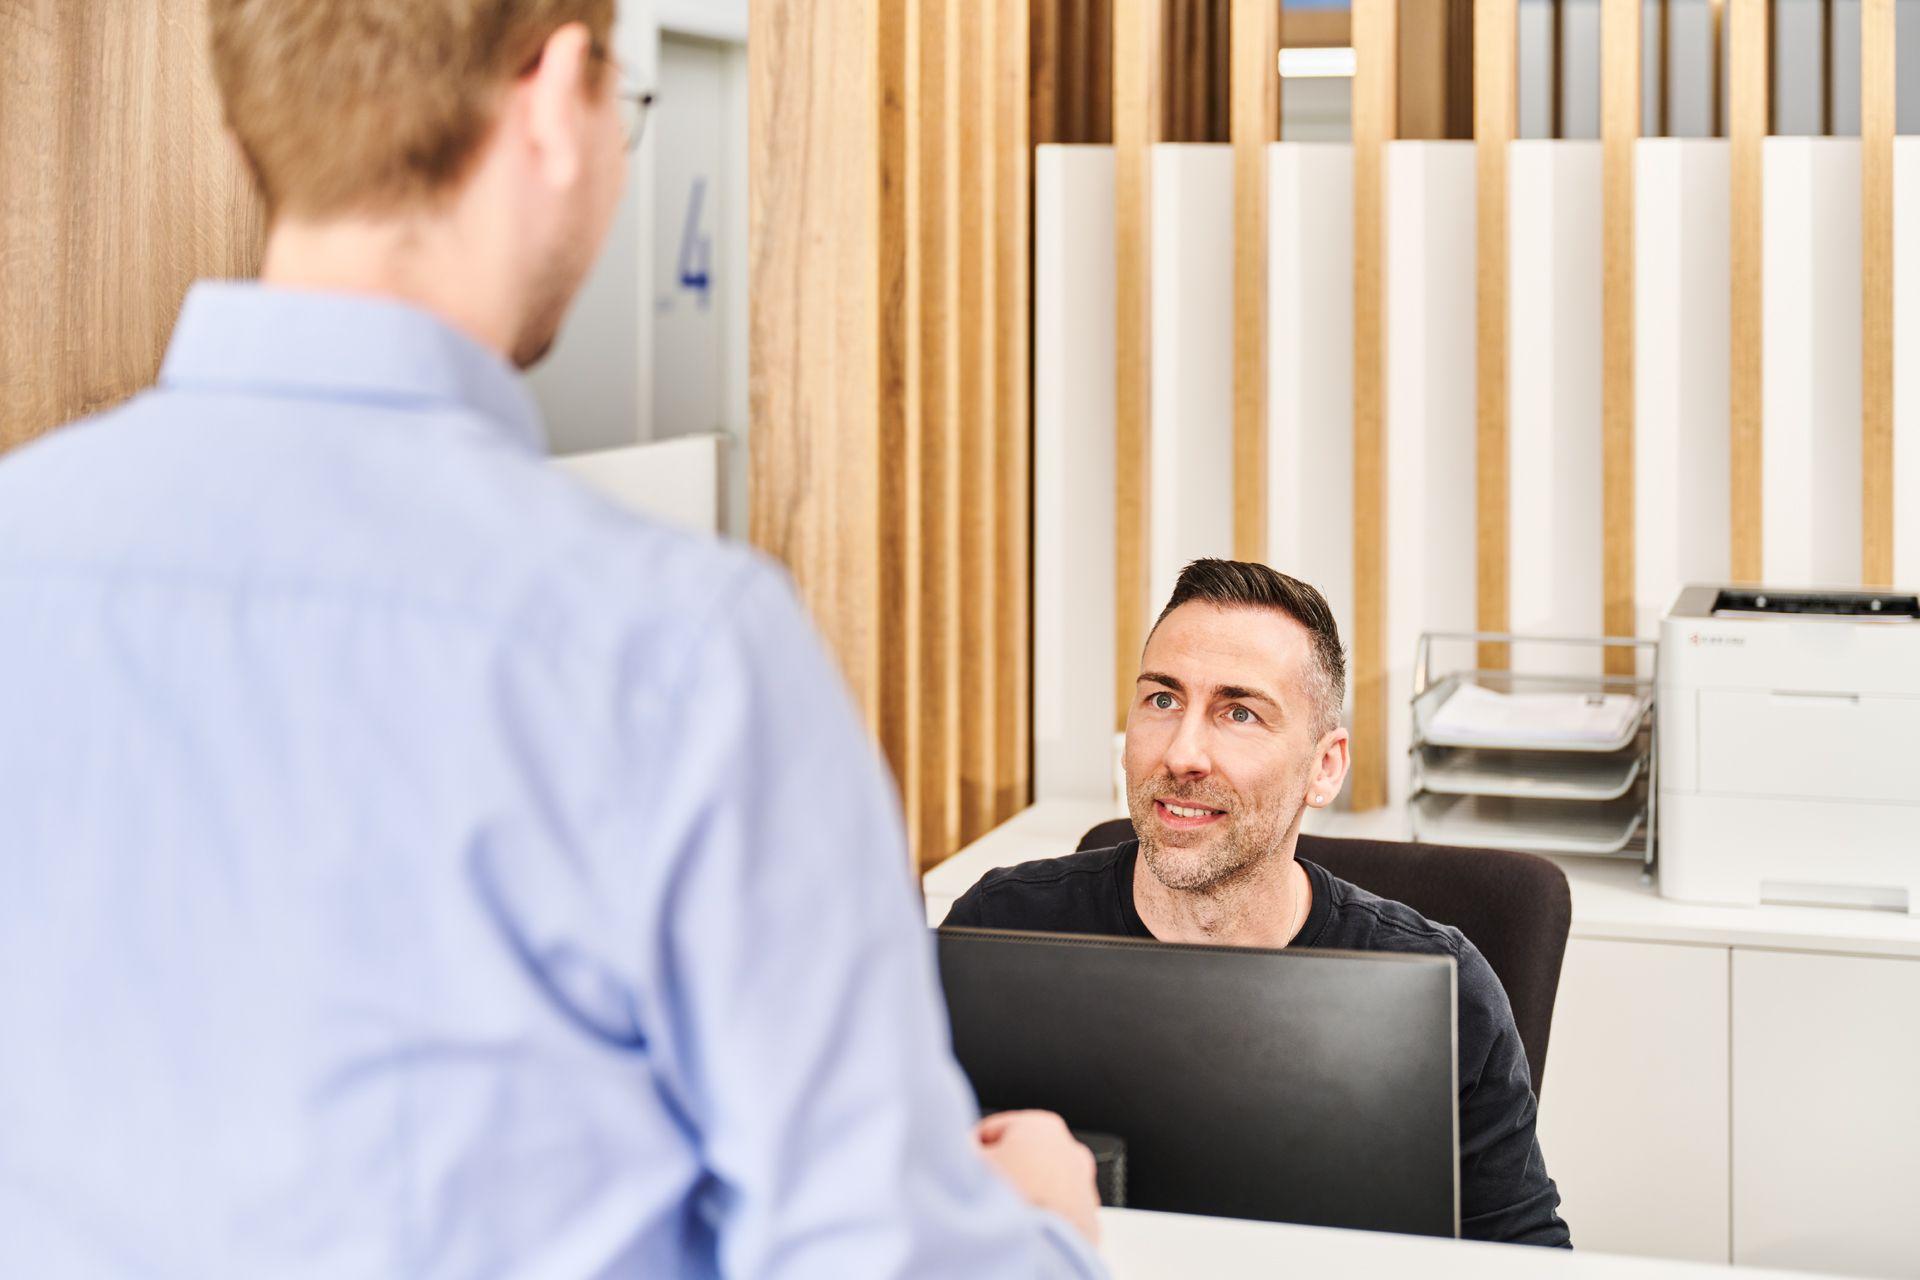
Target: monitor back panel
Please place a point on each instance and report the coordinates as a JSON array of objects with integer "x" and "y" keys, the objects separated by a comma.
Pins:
[{"x": 1293, "y": 1086}]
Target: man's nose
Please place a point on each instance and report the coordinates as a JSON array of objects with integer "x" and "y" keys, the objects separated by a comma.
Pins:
[{"x": 1187, "y": 754}]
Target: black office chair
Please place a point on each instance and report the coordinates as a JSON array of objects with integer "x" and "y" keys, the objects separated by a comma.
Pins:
[{"x": 1515, "y": 907}]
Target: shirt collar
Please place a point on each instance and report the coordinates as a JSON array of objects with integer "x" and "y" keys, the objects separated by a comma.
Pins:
[{"x": 274, "y": 341}]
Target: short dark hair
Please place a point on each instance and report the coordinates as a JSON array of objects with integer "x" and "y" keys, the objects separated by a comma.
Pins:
[{"x": 1244, "y": 584}]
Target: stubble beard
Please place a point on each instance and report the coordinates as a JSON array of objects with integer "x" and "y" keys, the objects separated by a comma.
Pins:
[{"x": 1209, "y": 860}]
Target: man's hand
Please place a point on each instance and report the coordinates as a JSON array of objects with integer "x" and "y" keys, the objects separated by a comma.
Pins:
[{"x": 1034, "y": 1151}]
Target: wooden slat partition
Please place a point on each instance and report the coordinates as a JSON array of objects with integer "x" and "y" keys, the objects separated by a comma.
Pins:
[
  {"x": 889, "y": 242},
  {"x": 1619, "y": 130},
  {"x": 1748, "y": 90},
  {"x": 1009, "y": 321},
  {"x": 118, "y": 188},
  {"x": 1137, "y": 74},
  {"x": 1375, "y": 113},
  {"x": 1877, "y": 88},
  {"x": 896, "y": 702},
  {"x": 1256, "y": 97},
  {"x": 1495, "y": 111},
  {"x": 937, "y": 259},
  {"x": 978, "y": 601},
  {"x": 815, "y": 326}
]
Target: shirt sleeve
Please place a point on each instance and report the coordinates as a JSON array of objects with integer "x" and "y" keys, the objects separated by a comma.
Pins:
[
  {"x": 965, "y": 912},
  {"x": 1505, "y": 1193},
  {"x": 792, "y": 981}
]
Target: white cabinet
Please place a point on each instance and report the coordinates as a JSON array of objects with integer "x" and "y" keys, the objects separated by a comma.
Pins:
[
  {"x": 1826, "y": 1112},
  {"x": 1633, "y": 1119}
]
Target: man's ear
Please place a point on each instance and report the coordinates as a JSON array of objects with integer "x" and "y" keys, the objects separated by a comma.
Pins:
[
  {"x": 555, "y": 101},
  {"x": 1330, "y": 766}
]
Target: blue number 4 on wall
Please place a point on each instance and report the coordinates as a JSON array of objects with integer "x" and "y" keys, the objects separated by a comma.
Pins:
[{"x": 696, "y": 248}]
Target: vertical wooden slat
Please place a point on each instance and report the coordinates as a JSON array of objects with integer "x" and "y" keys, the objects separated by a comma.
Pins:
[
  {"x": 1436, "y": 70},
  {"x": 1375, "y": 113},
  {"x": 1460, "y": 84},
  {"x": 1256, "y": 90},
  {"x": 1423, "y": 70},
  {"x": 1043, "y": 79},
  {"x": 1877, "y": 103},
  {"x": 1748, "y": 75},
  {"x": 898, "y": 457},
  {"x": 1619, "y": 131},
  {"x": 1664, "y": 97},
  {"x": 1826, "y": 64},
  {"x": 1717, "y": 10},
  {"x": 1137, "y": 71},
  {"x": 815, "y": 320},
  {"x": 1013, "y": 426},
  {"x": 935, "y": 231},
  {"x": 978, "y": 604},
  {"x": 1220, "y": 42},
  {"x": 1495, "y": 108},
  {"x": 1097, "y": 51}
]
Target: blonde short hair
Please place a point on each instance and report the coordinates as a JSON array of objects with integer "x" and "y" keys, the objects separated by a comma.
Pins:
[{"x": 369, "y": 106}]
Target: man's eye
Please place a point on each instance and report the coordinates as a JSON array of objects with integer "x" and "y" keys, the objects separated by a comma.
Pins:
[
  {"x": 1240, "y": 715},
  {"x": 1161, "y": 701}
]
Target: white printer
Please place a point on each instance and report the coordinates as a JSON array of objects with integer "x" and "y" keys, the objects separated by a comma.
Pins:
[{"x": 1789, "y": 741}]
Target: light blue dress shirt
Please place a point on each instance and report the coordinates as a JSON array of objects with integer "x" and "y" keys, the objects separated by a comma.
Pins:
[{"x": 412, "y": 865}]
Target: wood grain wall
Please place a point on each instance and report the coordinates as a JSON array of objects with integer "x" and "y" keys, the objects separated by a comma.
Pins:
[
  {"x": 117, "y": 189},
  {"x": 889, "y": 232}
]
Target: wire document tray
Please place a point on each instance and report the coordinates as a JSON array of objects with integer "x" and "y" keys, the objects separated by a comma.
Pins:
[{"x": 1557, "y": 761}]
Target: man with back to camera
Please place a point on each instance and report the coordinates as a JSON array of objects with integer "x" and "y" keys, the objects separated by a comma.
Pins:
[
  {"x": 413, "y": 865},
  {"x": 1234, "y": 730}
]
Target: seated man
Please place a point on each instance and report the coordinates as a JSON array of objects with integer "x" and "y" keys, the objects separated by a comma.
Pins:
[{"x": 1234, "y": 731}]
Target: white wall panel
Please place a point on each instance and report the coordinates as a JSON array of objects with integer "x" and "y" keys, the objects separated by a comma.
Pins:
[
  {"x": 1310, "y": 369},
  {"x": 1190, "y": 457},
  {"x": 1826, "y": 1119},
  {"x": 1810, "y": 441},
  {"x": 1430, "y": 556},
  {"x": 1906, "y": 358},
  {"x": 1682, "y": 509},
  {"x": 1073, "y": 472},
  {"x": 1553, "y": 381},
  {"x": 1633, "y": 1108}
]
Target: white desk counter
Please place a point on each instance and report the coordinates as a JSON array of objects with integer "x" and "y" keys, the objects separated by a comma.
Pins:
[
  {"x": 1173, "y": 1246},
  {"x": 1726, "y": 1084},
  {"x": 1610, "y": 898}
]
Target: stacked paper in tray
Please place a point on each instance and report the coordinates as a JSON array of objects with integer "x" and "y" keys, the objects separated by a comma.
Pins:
[{"x": 1475, "y": 714}]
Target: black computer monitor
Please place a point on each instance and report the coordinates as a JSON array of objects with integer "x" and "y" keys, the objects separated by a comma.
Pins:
[{"x": 1288, "y": 1086}]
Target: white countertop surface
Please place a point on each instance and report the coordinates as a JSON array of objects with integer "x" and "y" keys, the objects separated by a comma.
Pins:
[
  {"x": 1170, "y": 1246},
  {"x": 1610, "y": 898}
]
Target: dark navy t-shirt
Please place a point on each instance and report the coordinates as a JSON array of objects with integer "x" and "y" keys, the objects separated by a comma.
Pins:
[{"x": 1505, "y": 1193}]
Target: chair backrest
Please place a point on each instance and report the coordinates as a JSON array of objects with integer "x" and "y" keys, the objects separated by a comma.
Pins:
[{"x": 1515, "y": 907}]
